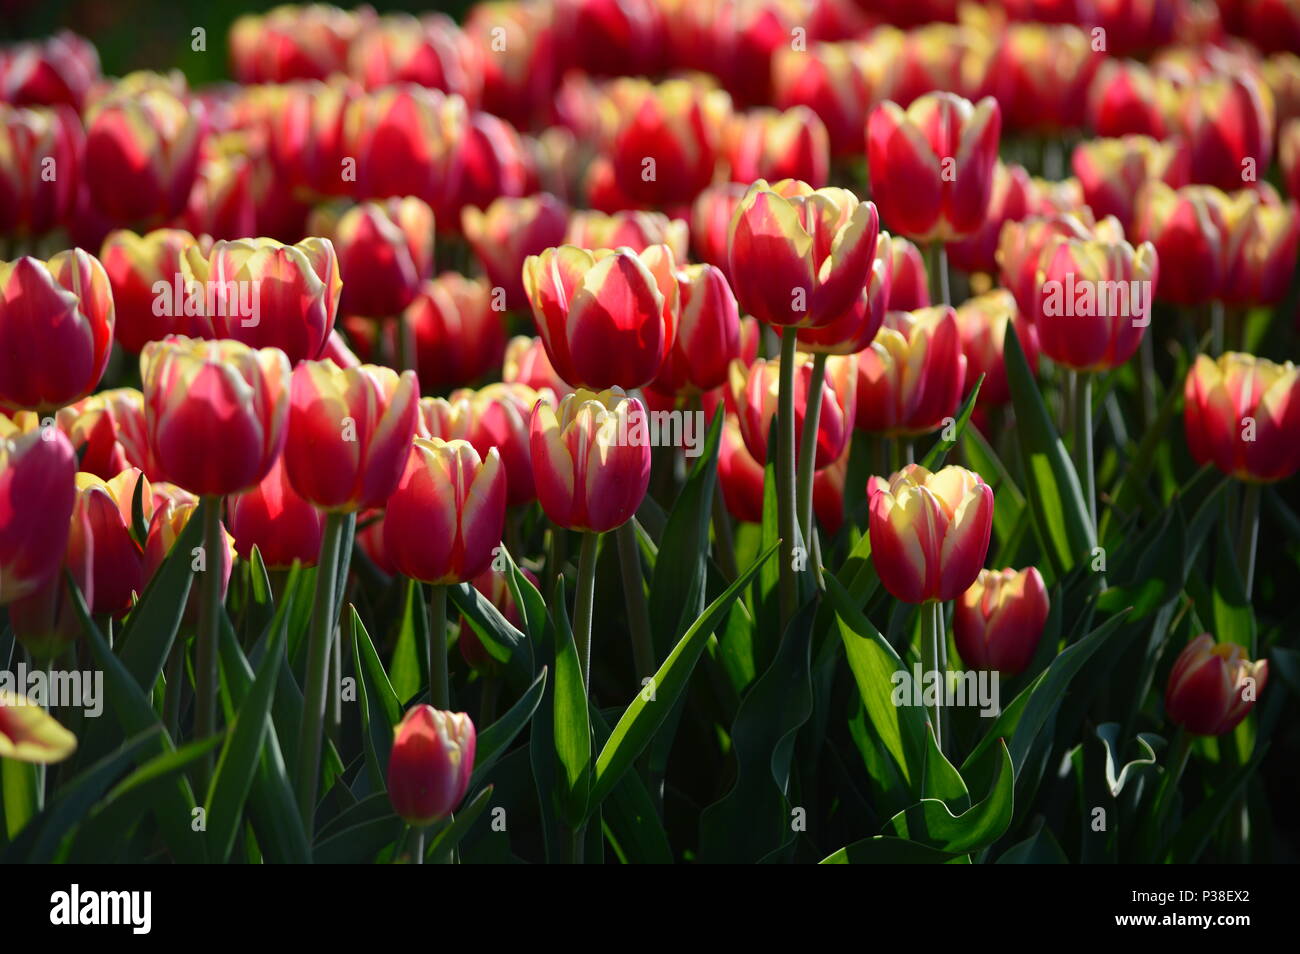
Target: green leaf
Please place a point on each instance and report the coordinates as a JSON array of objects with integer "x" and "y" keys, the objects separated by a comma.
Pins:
[
  {"x": 1234, "y": 618},
  {"x": 1109, "y": 733},
  {"x": 1041, "y": 848},
  {"x": 409, "y": 669},
  {"x": 1052, "y": 486},
  {"x": 1198, "y": 827},
  {"x": 572, "y": 726},
  {"x": 937, "y": 454},
  {"x": 501, "y": 638},
  {"x": 883, "y": 850},
  {"x": 446, "y": 840},
  {"x": 496, "y": 738},
  {"x": 20, "y": 785},
  {"x": 932, "y": 823},
  {"x": 648, "y": 709}
]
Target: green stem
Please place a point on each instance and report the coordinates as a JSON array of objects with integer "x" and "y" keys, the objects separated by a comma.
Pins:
[
  {"x": 417, "y": 852},
  {"x": 1146, "y": 372},
  {"x": 1249, "y": 536},
  {"x": 638, "y": 614},
  {"x": 1083, "y": 440},
  {"x": 205, "y": 690},
  {"x": 931, "y": 626},
  {"x": 439, "y": 680},
  {"x": 487, "y": 713},
  {"x": 785, "y": 479},
  {"x": 936, "y": 254},
  {"x": 574, "y": 839},
  {"x": 318, "y": 659},
  {"x": 1216, "y": 328},
  {"x": 584, "y": 599},
  {"x": 808, "y": 445}
]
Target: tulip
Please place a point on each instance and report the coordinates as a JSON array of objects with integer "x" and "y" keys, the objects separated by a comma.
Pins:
[
  {"x": 1094, "y": 298},
  {"x": 450, "y": 419},
  {"x": 107, "y": 432},
  {"x": 37, "y": 495},
  {"x": 526, "y": 362},
  {"x": 740, "y": 476},
  {"x": 708, "y": 334},
  {"x": 29, "y": 734},
  {"x": 1010, "y": 201},
  {"x": 755, "y": 397},
  {"x": 40, "y": 159},
  {"x": 404, "y": 140},
  {"x": 1242, "y": 414},
  {"x": 828, "y": 494},
  {"x": 800, "y": 256},
  {"x": 1289, "y": 154},
  {"x": 1113, "y": 172},
  {"x": 307, "y": 135},
  {"x": 430, "y": 51},
  {"x": 349, "y": 433},
  {"x": 58, "y": 70},
  {"x": 516, "y": 47},
  {"x": 510, "y": 230},
  {"x": 932, "y": 165},
  {"x": 1127, "y": 98},
  {"x": 830, "y": 80},
  {"x": 499, "y": 417},
  {"x": 222, "y": 203},
  {"x": 1263, "y": 234},
  {"x": 1189, "y": 229},
  {"x": 711, "y": 216},
  {"x": 142, "y": 155},
  {"x": 135, "y": 265},
  {"x": 1021, "y": 245},
  {"x": 767, "y": 144},
  {"x": 1212, "y": 687},
  {"x": 293, "y": 42},
  {"x": 214, "y": 412},
  {"x": 491, "y": 160},
  {"x": 934, "y": 56},
  {"x": 1227, "y": 120},
  {"x": 173, "y": 508},
  {"x": 115, "y": 556},
  {"x": 911, "y": 377},
  {"x": 855, "y": 330},
  {"x": 384, "y": 249},
  {"x": 1040, "y": 74},
  {"x": 610, "y": 37},
  {"x": 458, "y": 328},
  {"x": 909, "y": 287},
  {"x": 635, "y": 229},
  {"x": 285, "y": 528},
  {"x": 607, "y": 318},
  {"x": 56, "y": 329},
  {"x": 929, "y": 531},
  {"x": 998, "y": 622},
  {"x": 430, "y": 765},
  {"x": 982, "y": 322}
]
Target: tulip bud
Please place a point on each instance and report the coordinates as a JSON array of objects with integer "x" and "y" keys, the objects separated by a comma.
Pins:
[
  {"x": 754, "y": 394},
  {"x": 711, "y": 216},
  {"x": 611, "y": 37},
  {"x": 139, "y": 267},
  {"x": 929, "y": 532},
  {"x": 800, "y": 256},
  {"x": 384, "y": 249},
  {"x": 294, "y": 42},
  {"x": 33, "y": 143},
  {"x": 1227, "y": 120},
  {"x": 214, "y": 412},
  {"x": 430, "y": 765},
  {"x": 982, "y": 322},
  {"x": 37, "y": 493},
  {"x": 932, "y": 165},
  {"x": 117, "y": 558},
  {"x": 526, "y": 362},
  {"x": 459, "y": 330},
  {"x": 499, "y": 417},
  {"x": 998, "y": 622},
  {"x": 142, "y": 155},
  {"x": 634, "y": 228},
  {"x": 911, "y": 377},
  {"x": 1127, "y": 98},
  {"x": 285, "y": 528},
  {"x": 107, "y": 432},
  {"x": 173, "y": 508},
  {"x": 708, "y": 335},
  {"x": 349, "y": 433},
  {"x": 590, "y": 469},
  {"x": 607, "y": 318},
  {"x": 1112, "y": 172},
  {"x": 56, "y": 329},
  {"x": 1212, "y": 687},
  {"x": 404, "y": 140},
  {"x": 58, "y": 70},
  {"x": 264, "y": 293},
  {"x": 829, "y": 80},
  {"x": 445, "y": 519},
  {"x": 1242, "y": 414},
  {"x": 509, "y": 231},
  {"x": 909, "y": 286},
  {"x": 767, "y": 144},
  {"x": 1262, "y": 236},
  {"x": 516, "y": 47},
  {"x": 1189, "y": 230},
  {"x": 430, "y": 51},
  {"x": 855, "y": 329},
  {"x": 1040, "y": 75},
  {"x": 30, "y": 734}
]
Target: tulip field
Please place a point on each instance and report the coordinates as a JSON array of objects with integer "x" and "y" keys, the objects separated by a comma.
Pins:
[{"x": 651, "y": 431}]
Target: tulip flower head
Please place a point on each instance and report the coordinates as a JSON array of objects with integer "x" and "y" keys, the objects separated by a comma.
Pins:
[
  {"x": 430, "y": 764},
  {"x": 29, "y": 734},
  {"x": 911, "y": 376},
  {"x": 285, "y": 528},
  {"x": 590, "y": 466},
  {"x": 135, "y": 265},
  {"x": 754, "y": 395},
  {"x": 37, "y": 494},
  {"x": 998, "y": 622},
  {"x": 384, "y": 250},
  {"x": 1212, "y": 687},
  {"x": 508, "y": 231},
  {"x": 1242, "y": 414},
  {"x": 708, "y": 335},
  {"x": 929, "y": 531}
]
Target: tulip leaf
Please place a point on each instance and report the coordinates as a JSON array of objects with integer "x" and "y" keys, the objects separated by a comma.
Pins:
[
  {"x": 409, "y": 669},
  {"x": 501, "y": 638},
  {"x": 449, "y": 837},
  {"x": 1055, "y": 497},
  {"x": 1234, "y": 620},
  {"x": 237, "y": 765},
  {"x": 528, "y": 600},
  {"x": 628, "y": 816},
  {"x": 1041, "y": 848},
  {"x": 931, "y": 822},
  {"x": 1010, "y": 499},
  {"x": 19, "y": 783},
  {"x": 651, "y": 705},
  {"x": 1118, "y": 771},
  {"x": 874, "y": 663},
  {"x": 496, "y": 738},
  {"x": 937, "y": 454},
  {"x": 139, "y": 526},
  {"x": 1199, "y": 827},
  {"x": 884, "y": 850},
  {"x": 572, "y": 725},
  {"x": 359, "y": 843}
]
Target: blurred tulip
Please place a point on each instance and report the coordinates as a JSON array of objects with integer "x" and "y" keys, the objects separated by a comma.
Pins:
[
  {"x": 221, "y": 203},
  {"x": 1227, "y": 120},
  {"x": 997, "y": 623},
  {"x": 754, "y": 394},
  {"x": 800, "y": 257},
  {"x": 105, "y": 541},
  {"x": 510, "y": 230},
  {"x": 828, "y": 494},
  {"x": 711, "y": 223},
  {"x": 37, "y": 494},
  {"x": 911, "y": 377},
  {"x": 767, "y": 144},
  {"x": 490, "y": 160},
  {"x": 932, "y": 166},
  {"x": 855, "y": 330},
  {"x": 740, "y": 476},
  {"x": 57, "y": 70},
  {"x": 929, "y": 531},
  {"x": 307, "y": 134},
  {"x": 262, "y": 293},
  {"x": 459, "y": 330},
  {"x": 829, "y": 80},
  {"x": 107, "y": 432},
  {"x": 285, "y": 528},
  {"x": 214, "y": 412},
  {"x": 1021, "y": 245},
  {"x": 1094, "y": 298},
  {"x": 30, "y": 734},
  {"x": 909, "y": 287},
  {"x": 445, "y": 519},
  {"x": 982, "y": 322},
  {"x": 499, "y": 417},
  {"x": 337, "y": 350},
  {"x": 40, "y": 168},
  {"x": 56, "y": 329},
  {"x": 429, "y": 51},
  {"x": 635, "y": 229},
  {"x": 607, "y": 317},
  {"x": 1039, "y": 74},
  {"x": 1189, "y": 230},
  {"x": 1263, "y": 234},
  {"x": 1128, "y": 98},
  {"x": 384, "y": 249},
  {"x": 589, "y": 471},
  {"x": 135, "y": 265},
  {"x": 430, "y": 764},
  {"x": 1212, "y": 687},
  {"x": 1242, "y": 414},
  {"x": 172, "y": 512},
  {"x": 293, "y": 42},
  {"x": 349, "y": 433},
  {"x": 142, "y": 156},
  {"x": 526, "y": 362},
  {"x": 1136, "y": 26},
  {"x": 610, "y": 37},
  {"x": 708, "y": 334},
  {"x": 1289, "y": 155},
  {"x": 1010, "y": 201},
  {"x": 517, "y": 54},
  {"x": 1112, "y": 172}
]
